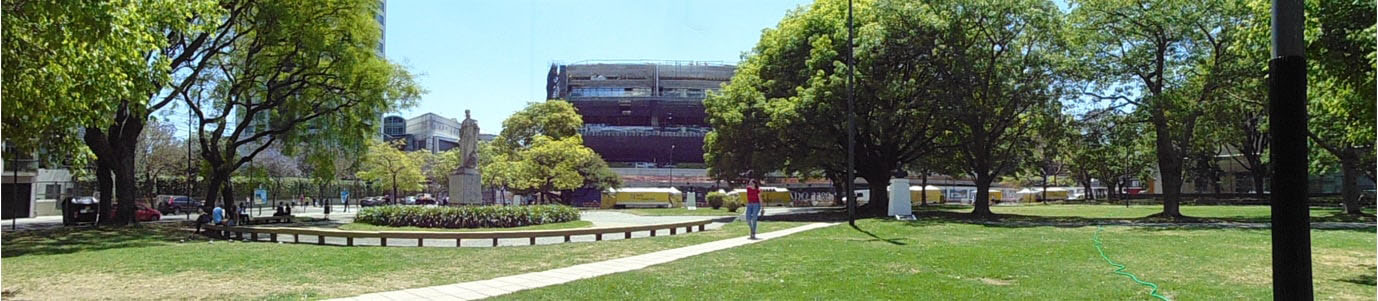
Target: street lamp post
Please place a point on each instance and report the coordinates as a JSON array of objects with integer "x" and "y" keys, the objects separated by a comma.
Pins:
[
  {"x": 851, "y": 125},
  {"x": 1291, "y": 231}
]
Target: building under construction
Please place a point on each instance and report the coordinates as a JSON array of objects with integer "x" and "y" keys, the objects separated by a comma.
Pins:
[{"x": 640, "y": 112}]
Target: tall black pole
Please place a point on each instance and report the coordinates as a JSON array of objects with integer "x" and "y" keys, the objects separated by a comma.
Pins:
[
  {"x": 851, "y": 126},
  {"x": 1287, "y": 124}
]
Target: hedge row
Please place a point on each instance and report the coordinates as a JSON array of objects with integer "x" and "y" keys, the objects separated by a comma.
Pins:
[{"x": 466, "y": 216}]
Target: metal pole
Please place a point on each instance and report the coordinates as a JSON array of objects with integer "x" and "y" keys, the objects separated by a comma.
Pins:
[
  {"x": 851, "y": 126},
  {"x": 189, "y": 162},
  {"x": 1287, "y": 118}
]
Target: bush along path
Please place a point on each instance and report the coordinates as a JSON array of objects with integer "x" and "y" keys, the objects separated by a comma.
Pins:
[
  {"x": 466, "y": 216},
  {"x": 504, "y": 285}
]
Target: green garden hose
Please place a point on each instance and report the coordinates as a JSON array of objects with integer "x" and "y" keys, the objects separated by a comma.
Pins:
[{"x": 1120, "y": 267}]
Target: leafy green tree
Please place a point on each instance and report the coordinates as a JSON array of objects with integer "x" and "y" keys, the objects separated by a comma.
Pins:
[
  {"x": 1166, "y": 58},
  {"x": 785, "y": 108},
  {"x": 100, "y": 68},
  {"x": 386, "y": 166},
  {"x": 1341, "y": 91},
  {"x": 1002, "y": 60},
  {"x": 540, "y": 151},
  {"x": 1047, "y": 152},
  {"x": 438, "y": 167},
  {"x": 555, "y": 119},
  {"x": 302, "y": 72}
]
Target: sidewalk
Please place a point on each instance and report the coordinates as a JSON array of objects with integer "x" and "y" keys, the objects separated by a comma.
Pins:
[{"x": 509, "y": 284}]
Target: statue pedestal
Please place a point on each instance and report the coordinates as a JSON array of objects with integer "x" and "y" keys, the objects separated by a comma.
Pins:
[
  {"x": 899, "y": 198},
  {"x": 465, "y": 187}
]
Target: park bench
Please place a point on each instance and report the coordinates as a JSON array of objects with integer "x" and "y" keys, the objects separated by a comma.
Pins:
[
  {"x": 269, "y": 220},
  {"x": 273, "y": 233}
]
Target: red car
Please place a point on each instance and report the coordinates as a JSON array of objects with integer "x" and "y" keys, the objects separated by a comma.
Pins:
[{"x": 142, "y": 212}]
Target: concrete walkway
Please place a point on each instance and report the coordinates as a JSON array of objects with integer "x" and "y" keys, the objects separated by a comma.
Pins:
[{"x": 509, "y": 284}]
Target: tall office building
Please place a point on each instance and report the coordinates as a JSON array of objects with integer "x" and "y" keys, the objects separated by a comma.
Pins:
[
  {"x": 432, "y": 133},
  {"x": 642, "y": 111}
]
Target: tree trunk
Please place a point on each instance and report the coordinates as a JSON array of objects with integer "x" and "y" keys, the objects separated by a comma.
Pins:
[
  {"x": 1170, "y": 171},
  {"x": 1090, "y": 194},
  {"x": 227, "y": 195},
  {"x": 213, "y": 189},
  {"x": 879, "y": 202},
  {"x": 923, "y": 188},
  {"x": 1044, "y": 193},
  {"x": 982, "y": 201},
  {"x": 1349, "y": 189},
  {"x": 105, "y": 186},
  {"x": 838, "y": 193},
  {"x": 394, "y": 188},
  {"x": 1258, "y": 186},
  {"x": 125, "y": 183}
]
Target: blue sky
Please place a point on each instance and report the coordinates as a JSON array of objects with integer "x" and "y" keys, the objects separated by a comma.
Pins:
[{"x": 491, "y": 57}]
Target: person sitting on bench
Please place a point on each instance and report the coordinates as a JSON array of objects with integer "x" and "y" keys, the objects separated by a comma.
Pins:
[
  {"x": 280, "y": 211},
  {"x": 202, "y": 220}
]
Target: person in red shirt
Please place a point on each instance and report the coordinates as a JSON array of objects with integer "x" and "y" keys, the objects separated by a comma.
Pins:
[{"x": 753, "y": 205}]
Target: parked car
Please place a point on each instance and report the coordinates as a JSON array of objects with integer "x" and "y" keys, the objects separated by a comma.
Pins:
[
  {"x": 77, "y": 210},
  {"x": 411, "y": 200},
  {"x": 372, "y": 201},
  {"x": 168, "y": 204},
  {"x": 142, "y": 212},
  {"x": 425, "y": 199}
]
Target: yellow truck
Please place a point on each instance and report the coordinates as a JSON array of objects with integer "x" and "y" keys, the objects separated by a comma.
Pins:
[
  {"x": 770, "y": 196},
  {"x": 653, "y": 197}
]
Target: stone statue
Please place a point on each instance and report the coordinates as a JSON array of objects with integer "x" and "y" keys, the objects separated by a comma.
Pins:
[
  {"x": 468, "y": 142},
  {"x": 465, "y": 183}
]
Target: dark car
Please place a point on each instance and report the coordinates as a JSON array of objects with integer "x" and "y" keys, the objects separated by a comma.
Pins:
[
  {"x": 370, "y": 202},
  {"x": 77, "y": 210},
  {"x": 168, "y": 204}
]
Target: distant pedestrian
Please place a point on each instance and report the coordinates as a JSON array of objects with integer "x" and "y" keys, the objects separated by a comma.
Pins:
[
  {"x": 346, "y": 205},
  {"x": 753, "y": 205}
]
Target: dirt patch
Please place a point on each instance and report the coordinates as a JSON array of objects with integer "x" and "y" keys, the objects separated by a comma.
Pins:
[
  {"x": 108, "y": 286},
  {"x": 997, "y": 282},
  {"x": 902, "y": 269},
  {"x": 1342, "y": 258}
]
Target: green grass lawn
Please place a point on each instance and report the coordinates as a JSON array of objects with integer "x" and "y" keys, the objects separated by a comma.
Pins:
[
  {"x": 701, "y": 211},
  {"x": 555, "y": 226},
  {"x": 152, "y": 262},
  {"x": 1227, "y": 213},
  {"x": 938, "y": 260}
]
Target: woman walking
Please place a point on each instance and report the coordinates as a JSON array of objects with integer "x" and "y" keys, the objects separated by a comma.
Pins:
[{"x": 753, "y": 205}]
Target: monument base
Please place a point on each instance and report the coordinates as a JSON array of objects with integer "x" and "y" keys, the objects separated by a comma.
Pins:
[
  {"x": 466, "y": 187},
  {"x": 900, "y": 205}
]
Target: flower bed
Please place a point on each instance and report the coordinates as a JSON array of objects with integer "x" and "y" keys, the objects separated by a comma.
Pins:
[{"x": 466, "y": 216}]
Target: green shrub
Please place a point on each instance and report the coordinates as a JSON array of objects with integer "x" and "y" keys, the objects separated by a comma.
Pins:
[
  {"x": 732, "y": 203},
  {"x": 466, "y": 216},
  {"x": 715, "y": 199}
]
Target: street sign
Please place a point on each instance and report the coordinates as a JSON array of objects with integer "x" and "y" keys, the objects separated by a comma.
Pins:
[
  {"x": 262, "y": 195},
  {"x": 344, "y": 195}
]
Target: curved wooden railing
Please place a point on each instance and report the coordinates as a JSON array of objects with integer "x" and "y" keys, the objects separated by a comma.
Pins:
[{"x": 272, "y": 233}]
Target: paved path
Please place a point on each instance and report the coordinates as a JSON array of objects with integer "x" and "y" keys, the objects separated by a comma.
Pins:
[
  {"x": 509, "y": 284},
  {"x": 54, "y": 221}
]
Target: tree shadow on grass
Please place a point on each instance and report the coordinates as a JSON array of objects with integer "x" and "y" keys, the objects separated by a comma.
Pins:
[
  {"x": 81, "y": 239},
  {"x": 1366, "y": 279},
  {"x": 873, "y": 236},
  {"x": 939, "y": 214}
]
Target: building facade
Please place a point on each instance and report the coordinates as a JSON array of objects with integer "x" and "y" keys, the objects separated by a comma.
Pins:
[
  {"x": 432, "y": 132},
  {"x": 644, "y": 112}
]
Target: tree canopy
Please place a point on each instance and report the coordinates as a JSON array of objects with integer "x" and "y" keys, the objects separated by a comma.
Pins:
[{"x": 541, "y": 152}]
